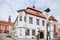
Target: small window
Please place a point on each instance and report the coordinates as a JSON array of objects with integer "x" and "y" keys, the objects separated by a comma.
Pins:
[
  {"x": 54, "y": 28},
  {"x": 25, "y": 18},
  {"x": 31, "y": 20},
  {"x": 33, "y": 32},
  {"x": 20, "y": 32},
  {"x": 27, "y": 32},
  {"x": 43, "y": 22},
  {"x": 37, "y": 21},
  {"x": 20, "y": 18},
  {"x": 48, "y": 24},
  {"x": 7, "y": 28}
]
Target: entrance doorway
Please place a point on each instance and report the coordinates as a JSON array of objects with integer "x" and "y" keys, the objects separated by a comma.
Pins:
[{"x": 41, "y": 35}]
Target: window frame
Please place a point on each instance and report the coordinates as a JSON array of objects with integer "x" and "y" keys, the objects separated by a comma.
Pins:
[
  {"x": 20, "y": 18},
  {"x": 31, "y": 20},
  {"x": 37, "y": 22},
  {"x": 43, "y": 22},
  {"x": 33, "y": 32},
  {"x": 25, "y": 18},
  {"x": 27, "y": 32}
]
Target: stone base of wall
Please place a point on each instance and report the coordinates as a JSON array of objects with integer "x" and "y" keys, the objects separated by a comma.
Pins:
[{"x": 28, "y": 39}]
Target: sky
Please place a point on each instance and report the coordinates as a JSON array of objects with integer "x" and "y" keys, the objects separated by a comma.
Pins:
[{"x": 10, "y": 7}]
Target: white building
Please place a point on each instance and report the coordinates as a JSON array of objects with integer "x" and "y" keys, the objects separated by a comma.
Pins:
[{"x": 31, "y": 22}]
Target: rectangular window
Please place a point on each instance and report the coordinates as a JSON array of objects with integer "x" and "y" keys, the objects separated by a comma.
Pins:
[
  {"x": 25, "y": 18},
  {"x": 20, "y": 32},
  {"x": 27, "y": 32},
  {"x": 37, "y": 21},
  {"x": 43, "y": 22},
  {"x": 48, "y": 24},
  {"x": 20, "y": 18},
  {"x": 54, "y": 28},
  {"x": 33, "y": 32},
  {"x": 31, "y": 20}
]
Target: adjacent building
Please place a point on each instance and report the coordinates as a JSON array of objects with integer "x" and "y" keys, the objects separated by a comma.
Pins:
[{"x": 4, "y": 25}]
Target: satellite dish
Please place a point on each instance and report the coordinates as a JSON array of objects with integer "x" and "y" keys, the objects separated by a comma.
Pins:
[{"x": 47, "y": 10}]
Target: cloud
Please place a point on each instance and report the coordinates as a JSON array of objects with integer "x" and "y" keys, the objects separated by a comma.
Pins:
[
  {"x": 55, "y": 9},
  {"x": 10, "y": 7}
]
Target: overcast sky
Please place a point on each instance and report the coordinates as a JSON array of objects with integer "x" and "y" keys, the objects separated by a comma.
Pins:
[{"x": 10, "y": 7}]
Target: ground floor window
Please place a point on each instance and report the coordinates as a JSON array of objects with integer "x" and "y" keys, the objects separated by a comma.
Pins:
[
  {"x": 27, "y": 32},
  {"x": 33, "y": 32}
]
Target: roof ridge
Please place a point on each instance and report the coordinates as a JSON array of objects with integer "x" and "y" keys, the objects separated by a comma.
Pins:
[{"x": 33, "y": 9}]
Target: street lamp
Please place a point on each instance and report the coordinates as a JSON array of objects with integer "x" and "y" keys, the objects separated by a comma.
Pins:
[{"x": 47, "y": 11}]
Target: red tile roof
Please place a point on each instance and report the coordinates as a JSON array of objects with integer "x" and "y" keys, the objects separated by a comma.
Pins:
[
  {"x": 58, "y": 29},
  {"x": 35, "y": 12},
  {"x": 52, "y": 18},
  {"x": 5, "y": 23}
]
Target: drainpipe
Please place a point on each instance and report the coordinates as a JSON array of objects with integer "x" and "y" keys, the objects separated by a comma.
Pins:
[{"x": 47, "y": 11}]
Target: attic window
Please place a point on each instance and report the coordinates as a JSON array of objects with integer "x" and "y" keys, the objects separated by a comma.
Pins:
[{"x": 20, "y": 18}]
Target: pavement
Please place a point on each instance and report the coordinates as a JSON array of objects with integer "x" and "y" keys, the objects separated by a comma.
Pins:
[
  {"x": 3, "y": 37},
  {"x": 57, "y": 37}
]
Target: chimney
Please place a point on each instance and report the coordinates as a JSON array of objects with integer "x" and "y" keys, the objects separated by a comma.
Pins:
[{"x": 33, "y": 6}]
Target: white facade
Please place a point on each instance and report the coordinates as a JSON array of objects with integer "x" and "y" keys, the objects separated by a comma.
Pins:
[{"x": 22, "y": 26}]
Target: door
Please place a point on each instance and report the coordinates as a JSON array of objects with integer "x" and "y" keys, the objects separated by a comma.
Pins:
[{"x": 41, "y": 35}]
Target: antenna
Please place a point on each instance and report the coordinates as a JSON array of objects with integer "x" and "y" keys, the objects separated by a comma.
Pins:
[{"x": 33, "y": 4}]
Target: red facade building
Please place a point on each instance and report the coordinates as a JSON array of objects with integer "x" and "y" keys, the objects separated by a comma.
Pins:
[{"x": 4, "y": 25}]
